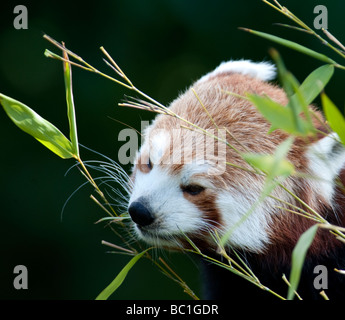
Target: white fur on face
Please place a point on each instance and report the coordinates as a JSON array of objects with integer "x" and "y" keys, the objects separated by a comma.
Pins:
[
  {"x": 247, "y": 228},
  {"x": 161, "y": 192},
  {"x": 160, "y": 141},
  {"x": 164, "y": 197},
  {"x": 175, "y": 213}
]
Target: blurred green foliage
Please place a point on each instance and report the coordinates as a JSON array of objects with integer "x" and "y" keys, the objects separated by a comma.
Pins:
[{"x": 162, "y": 45}]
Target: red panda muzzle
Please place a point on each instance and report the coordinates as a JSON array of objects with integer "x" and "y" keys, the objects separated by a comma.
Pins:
[{"x": 140, "y": 214}]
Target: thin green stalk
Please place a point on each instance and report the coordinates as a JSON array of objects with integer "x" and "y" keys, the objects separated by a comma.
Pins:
[
  {"x": 333, "y": 38},
  {"x": 233, "y": 137},
  {"x": 116, "y": 67},
  {"x": 203, "y": 106},
  {"x": 94, "y": 184},
  {"x": 288, "y": 283},
  {"x": 304, "y": 212},
  {"x": 324, "y": 295},
  {"x": 88, "y": 67},
  {"x": 304, "y": 204},
  {"x": 339, "y": 66},
  {"x": 114, "y": 246},
  {"x": 242, "y": 168},
  {"x": 100, "y": 205},
  {"x": 246, "y": 266},
  {"x": 304, "y": 26},
  {"x": 319, "y": 217},
  {"x": 298, "y": 213},
  {"x": 52, "y": 55},
  {"x": 180, "y": 281},
  {"x": 130, "y": 84}
]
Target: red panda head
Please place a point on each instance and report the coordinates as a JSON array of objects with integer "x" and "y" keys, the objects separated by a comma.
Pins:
[{"x": 188, "y": 182}]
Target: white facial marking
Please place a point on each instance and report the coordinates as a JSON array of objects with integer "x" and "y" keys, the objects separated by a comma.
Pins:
[
  {"x": 248, "y": 230},
  {"x": 160, "y": 141},
  {"x": 164, "y": 196}
]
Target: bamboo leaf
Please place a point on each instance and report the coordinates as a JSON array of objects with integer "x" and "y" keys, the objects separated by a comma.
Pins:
[
  {"x": 288, "y": 118},
  {"x": 70, "y": 104},
  {"x": 298, "y": 257},
  {"x": 292, "y": 45},
  {"x": 275, "y": 113},
  {"x": 291, "y": 87},
  {"x": 279, "y": 116},
  {"x": 113, "y": 286},
  {"x": 334, "y": 117},
  {"x": 267, "y": 164},
  {"x": 42, "y": 130},
  {"x": 315, "y": 82},
  {"x": 275, "y": 166}
]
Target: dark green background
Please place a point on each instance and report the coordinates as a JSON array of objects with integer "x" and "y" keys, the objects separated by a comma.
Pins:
[{"x": 163, "y": 46}]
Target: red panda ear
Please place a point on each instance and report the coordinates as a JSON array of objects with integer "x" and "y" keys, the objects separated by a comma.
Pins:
[{"x": 260, "y": 70}]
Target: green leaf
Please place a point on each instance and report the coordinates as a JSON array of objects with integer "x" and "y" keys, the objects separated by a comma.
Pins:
[
  {"x": 42, "y": 130},
  {"x": 288, "y": 118},
  {"x": 315, "y": 82},
  {"x": 280, "y": 117},
  {"x": 112, "y": 287},
  {"x": 291, "y": 88},
  {"x": 292, "y": 45},
  {"x": 334, "y": 117},
  {"x": 298, "y": 257},
  {"x": 275, "y": 113},
  {"x": 274, "y": 166},
  {"x": 70, "y": 104},
  {"x": 266, "y": 163}
]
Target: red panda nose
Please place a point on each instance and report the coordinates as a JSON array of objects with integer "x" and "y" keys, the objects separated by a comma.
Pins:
[{"x": 140, "y": 214}]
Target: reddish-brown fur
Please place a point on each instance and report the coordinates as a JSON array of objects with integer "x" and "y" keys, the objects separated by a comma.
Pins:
[{"x": 248, "y": 130}]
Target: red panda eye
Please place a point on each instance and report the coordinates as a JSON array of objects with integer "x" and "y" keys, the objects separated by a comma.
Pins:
[{"x": 192, "y": 189}]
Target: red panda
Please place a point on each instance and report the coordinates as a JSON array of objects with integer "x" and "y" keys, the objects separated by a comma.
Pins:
[{"x": 183, "y": 185}]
